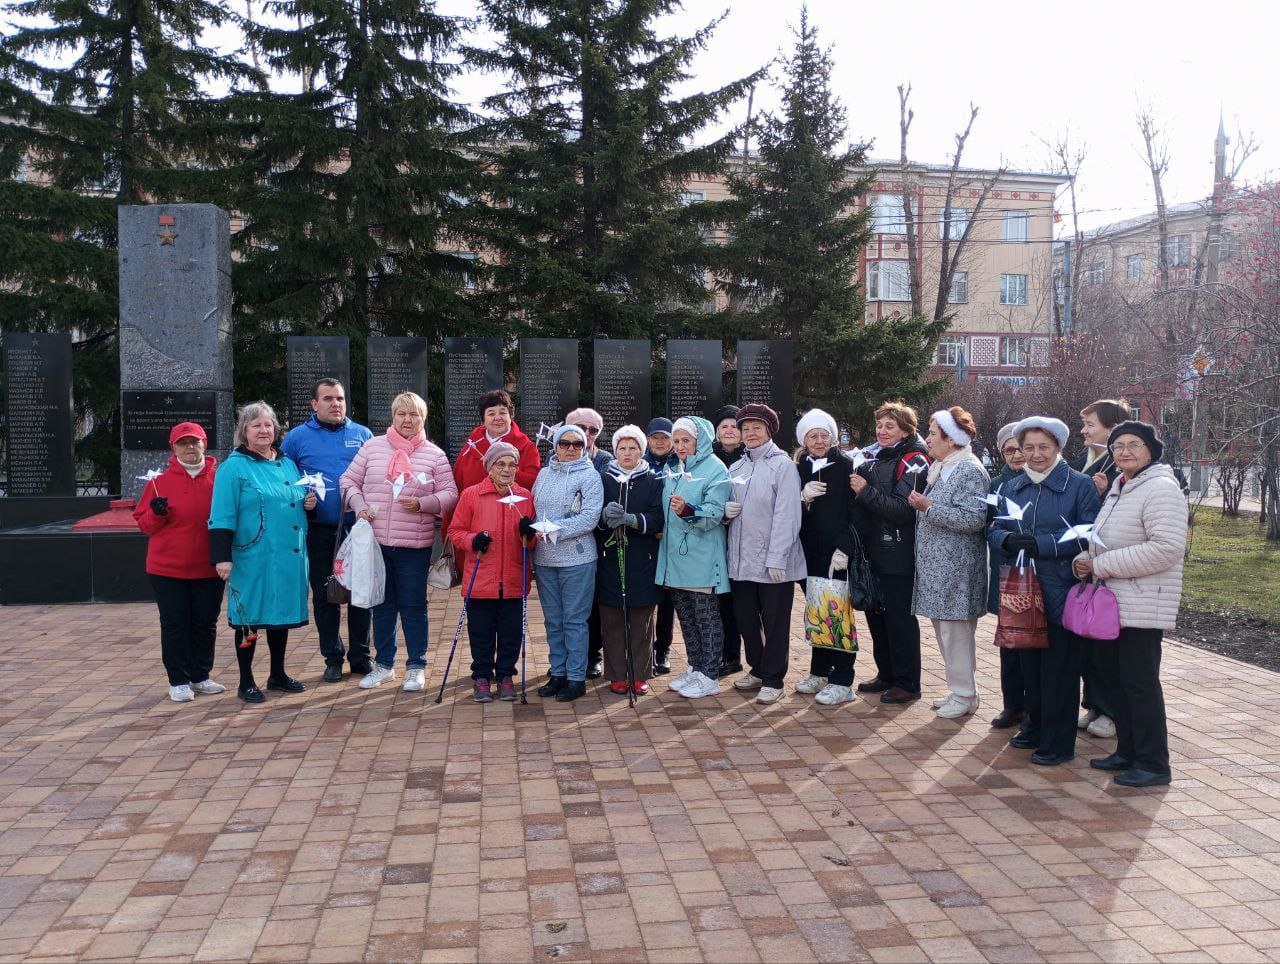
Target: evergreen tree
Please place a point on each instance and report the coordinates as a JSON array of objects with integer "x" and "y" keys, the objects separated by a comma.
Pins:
[
  {"x": 102, "y": 106},
  {"x": 790, "y": 266},
  {"x": 589, "y": 151},
  {"x": 355, "y": 186}
]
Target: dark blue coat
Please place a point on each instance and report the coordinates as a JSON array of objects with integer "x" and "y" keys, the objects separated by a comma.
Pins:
[
  {"x": 641, "y": 496},
  {"x": 1065, "y": 498},
  {"x": 996, "y": 559}
]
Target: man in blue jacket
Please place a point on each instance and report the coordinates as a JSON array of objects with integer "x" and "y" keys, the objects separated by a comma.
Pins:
[{"x": 326, "y": 443}]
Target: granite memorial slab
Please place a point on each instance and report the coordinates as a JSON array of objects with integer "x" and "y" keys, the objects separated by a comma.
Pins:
[
  {"x": 548, "y": 383},
  {"x": 622, "y": 383},
  {"x": 309, "y": 358},
  {"x": 394, "y": 365},
  {"x": 764, "y": 375},
  {"x": 472, "y": 366},
  {"x": 39, "y": 423},
  {"x": 695, "y": 377}
]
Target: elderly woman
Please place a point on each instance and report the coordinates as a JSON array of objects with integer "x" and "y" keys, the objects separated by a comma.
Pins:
[
  {"x": 951, "y": 553},
  {"x": 691, "y": 560},
  {"x": 827, "y": 538},
  {"x": 1012, "y": 691},
  {"x": 1141, "y": 537},
  {"x": 765, "y": 556},
  {"x": 497, "y": 424},
  {"x": 173, "y": 510},
  {"x": 569, "y": 496},
  {"x": 401, "y": 484},
  {"x": 487, "y": 528},
  {"x": 1050, "y": 496},
  {"x": 258, "y": 544},
  {"x": 626, "y": 587},
  {"x": 882, "y": 486}
]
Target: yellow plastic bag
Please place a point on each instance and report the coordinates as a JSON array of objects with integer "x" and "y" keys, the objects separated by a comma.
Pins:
[{"x": 828, "y": 615}]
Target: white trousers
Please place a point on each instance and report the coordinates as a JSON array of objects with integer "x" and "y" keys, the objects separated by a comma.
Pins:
[{"x": 959, "y": 654}]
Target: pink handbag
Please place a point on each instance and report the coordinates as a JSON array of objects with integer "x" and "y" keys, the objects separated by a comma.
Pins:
[{"x": 1092, "y": 611}]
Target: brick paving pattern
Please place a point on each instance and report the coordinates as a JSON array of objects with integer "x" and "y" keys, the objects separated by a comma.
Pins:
[{"x": 345, "y": 825}]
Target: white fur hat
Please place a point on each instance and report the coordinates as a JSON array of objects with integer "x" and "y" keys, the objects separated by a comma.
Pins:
[
  {"x": 633, "y": 432},
  {"x": 1055, "y": 427},
  {"x": 816, "y": 418}
]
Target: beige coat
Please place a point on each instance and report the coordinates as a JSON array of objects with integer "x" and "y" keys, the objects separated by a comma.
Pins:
[{"x": 1143, "y": 525}]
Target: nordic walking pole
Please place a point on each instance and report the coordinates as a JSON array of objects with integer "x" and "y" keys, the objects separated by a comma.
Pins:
[
  {"x": 461, "y": 619},
  {"x": 626, "y": 621},
  {"x": 524, "y": 614}
]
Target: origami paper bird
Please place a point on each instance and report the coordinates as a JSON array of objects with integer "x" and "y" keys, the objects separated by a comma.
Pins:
[
  {"x": 1083, "y": 531},
  {"x": 151, "y": 474},
  {"x": 315, "y": 480},
  {"x": 733, "y": 480},
  {"x": 857, "y": 457},
  {"x": 550, "y": 530},
  {"x": 546, "y": 432},
  {"x": 913, "y": 468},
  {"x": 398, "y": 485},
  {"x": 992, "y": 500},
  {"x": 513, "y": 499},
  {"x": 1015, "y": 511},
  {"x": 423, "y": 479},
  {"x": 819, "y": 464}
]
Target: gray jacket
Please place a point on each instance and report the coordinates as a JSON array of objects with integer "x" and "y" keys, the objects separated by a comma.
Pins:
[
  {"x": 766, "y": 535},
  {"x": 951, "y": 548}
]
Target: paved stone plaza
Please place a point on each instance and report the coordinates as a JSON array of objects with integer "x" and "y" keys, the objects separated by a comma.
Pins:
[{"x": 343, "y": 825}]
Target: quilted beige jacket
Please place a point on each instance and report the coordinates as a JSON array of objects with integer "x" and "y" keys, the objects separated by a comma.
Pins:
[{"x": 1143, "y": 525}]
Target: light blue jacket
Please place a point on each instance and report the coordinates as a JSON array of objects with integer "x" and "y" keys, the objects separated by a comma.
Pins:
[
  {"x": 692, "y": 554},
  {"x": 571, "y": 495}
]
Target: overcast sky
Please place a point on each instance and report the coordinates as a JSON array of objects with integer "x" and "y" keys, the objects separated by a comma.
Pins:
[{"x": 1035, "y": 70}]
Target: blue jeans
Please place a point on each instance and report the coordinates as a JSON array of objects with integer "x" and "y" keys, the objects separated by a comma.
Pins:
[
  {"x": 566, "y": 595},
  {"x": 406, "y": 597}
]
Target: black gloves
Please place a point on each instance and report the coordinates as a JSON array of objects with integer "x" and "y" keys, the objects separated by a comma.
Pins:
[
  {"x": 481, "y": 541},
  {"x": 1016, "y": 542},
  {"x": 160, "y": 506},
  {"x": 527, "y": 531}
]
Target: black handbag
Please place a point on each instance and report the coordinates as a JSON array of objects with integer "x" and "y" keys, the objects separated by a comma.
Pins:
[
  {"x": 864, "y": 592},
  {"x": 334, "y": 591}
]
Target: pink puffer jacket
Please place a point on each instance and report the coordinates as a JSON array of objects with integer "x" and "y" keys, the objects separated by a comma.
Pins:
[{"x": 365, "y": 486}]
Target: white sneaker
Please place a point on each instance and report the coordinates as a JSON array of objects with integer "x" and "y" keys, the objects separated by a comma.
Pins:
[
  {"x": 700, "y": 686},
  {"x": 1103, "y": 727},
  {"x": 833, "y": 694},
  {"x": 1086, "y": 718},
  {"x": 415, "y": 681},
  {"x": 811, "y": 684},
  {"x": 956, "y": 707},
  {"x": 208, "y": 687},
  {"x": 181, "y": 694},
  {"x": 768, "y": 694},
  {"x": 747, "y": 682},
  {"x": 683, "y": 680},
  {"x": 376, "y": 677},
  {"x": 941, "y": 702}
]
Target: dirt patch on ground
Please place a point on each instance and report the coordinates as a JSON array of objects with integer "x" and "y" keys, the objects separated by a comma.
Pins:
[{"x": 1241, "y": 635}]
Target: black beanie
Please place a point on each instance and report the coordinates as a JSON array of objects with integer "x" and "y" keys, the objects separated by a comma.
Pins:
[
  {"x": 1143, "y": 431},
  {"x": 725, "y": 411}
]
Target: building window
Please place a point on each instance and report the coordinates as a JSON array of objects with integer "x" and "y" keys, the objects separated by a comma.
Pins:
[
  {"x": 1013, "y": 289},
  {"x": 466, "y": 278},
  {"x": 1097, "y": 273},
  {"x": 692, "y": 197},
  {"x": 950, "y": 349},
  {"x": 1133, "y": 267},
  {"x": 1016, "y": 225},
  {"x": 955, "y": 228},
  {"x": 959, "y": 293},
  {"x": 1014, "y": 352},
  {"x": 887, "y": 216},
  {"x": 1177, "y": 252},
  {"x": 1228, "y": 248},
  {"x": 888, "y": 281}
]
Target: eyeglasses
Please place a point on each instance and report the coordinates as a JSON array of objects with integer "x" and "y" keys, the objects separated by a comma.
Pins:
[
  {"x": 571, "y": 445},
  {"x": 1126, "y": 448},
  {"x": 589, "y": 429}
]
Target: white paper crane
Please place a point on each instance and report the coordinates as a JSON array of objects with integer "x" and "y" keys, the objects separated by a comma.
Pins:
[
  {"x": 819, "y": 464},
  {"x": 513, "y": 499},
  {"x": 1083, "y": 531},
  {"x": 398, "y": 485},
  {"x": 1015, "y": 511},
  {"x": 913, "y": 468},
  {"x": 546, "y": 432},
  {"x": 316, "y": 481},
  {"x": 550, "y": 530},
  {"x": 151, "y": 474},
  {"x": 993, "y": 499},
  {"x": 423, "y": 479},
  {"x": 857, "y": 457},
  {"x": 733, "y": 480}
]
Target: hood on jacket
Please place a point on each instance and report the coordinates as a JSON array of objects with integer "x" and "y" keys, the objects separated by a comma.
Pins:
[
  {"x": 1155, "y": 470},
  {"x": 614, "y": 469},
  {"x": 706, "y": 439}
]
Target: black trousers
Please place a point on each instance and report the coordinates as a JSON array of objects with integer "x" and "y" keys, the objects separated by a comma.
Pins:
[
  {"x": 664, "y": 623},
  {"x": 763, "y": 611},
  {"x": 328, "y": 616},
  {"x": 595, "y": 639},
  {"x": 729, "y": 626},
  {"x": 1133, "y": 660},
  {"x": 189, "y": 611},
  {"x": 1101, "y": 686},
  {"x": 493, "y": 627},
  {"x": 277, "y": 643},
  {"x": 1011, "y": 686},
  {"x": 895, "y": 633},
  {"x": 1052, "y": 679}
]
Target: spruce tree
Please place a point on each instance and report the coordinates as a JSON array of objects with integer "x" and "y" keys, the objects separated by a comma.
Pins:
[
  {"x": 791, "y": 263},
  {"x": 588, "y": 150},
  {"x": 355, "y": 185},
  {"x": 102, "y": 106}
]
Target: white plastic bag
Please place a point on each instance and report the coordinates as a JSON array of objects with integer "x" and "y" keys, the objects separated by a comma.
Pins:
[{"x": 359, "y": 566}]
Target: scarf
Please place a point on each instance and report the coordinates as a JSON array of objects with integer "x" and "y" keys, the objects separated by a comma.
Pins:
[
  {"x": 962, "y": 454},
  {"x": 1039, "y": 477},
  {"x": 401, "y": 448}
]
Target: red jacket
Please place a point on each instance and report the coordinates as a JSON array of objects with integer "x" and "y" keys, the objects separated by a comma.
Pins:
[
  {"x": 479, "y": 510},
  {"x": 179, "y": 543},
  {"x": 469, "y": 469}
]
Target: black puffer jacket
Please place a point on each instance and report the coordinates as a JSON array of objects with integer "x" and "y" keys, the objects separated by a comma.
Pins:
[
  {"x": 728, "y": 456},
  {"x": 889, "y": 531},
  {"x": 825, "y": 523},
  {"x": 641, "y": 496}
]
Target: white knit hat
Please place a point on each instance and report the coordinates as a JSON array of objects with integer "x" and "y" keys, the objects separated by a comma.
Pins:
[
  {"x": 633, "y": 432},
  {"x": 816, "y": 418},
  {"x": 1055, "y": 427}
]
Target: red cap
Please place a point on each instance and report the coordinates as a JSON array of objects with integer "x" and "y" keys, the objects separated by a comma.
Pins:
[{"x": 185, "y": 429}]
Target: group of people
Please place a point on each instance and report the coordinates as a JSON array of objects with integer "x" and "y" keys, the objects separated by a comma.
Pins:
[{"x": 709, "y": 524}]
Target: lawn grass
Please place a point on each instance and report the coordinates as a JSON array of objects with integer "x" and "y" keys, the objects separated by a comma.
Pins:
[{"x": 1232, "y": 568}]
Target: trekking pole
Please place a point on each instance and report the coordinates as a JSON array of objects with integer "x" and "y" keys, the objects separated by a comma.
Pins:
[
  {"x": 461, "y": 619},
  {"x": 626, "y": 624},
  {"x": 524, "y": 615}
]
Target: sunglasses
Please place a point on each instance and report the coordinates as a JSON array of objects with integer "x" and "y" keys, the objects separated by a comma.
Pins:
[
  {"x": 571, "y": 445},
  {"x": 589, "y": 430}
]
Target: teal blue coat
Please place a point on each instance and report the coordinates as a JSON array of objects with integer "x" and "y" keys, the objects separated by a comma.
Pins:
[
  {"x": 692, "y": 552},
  {"x": 257, "y": 523}
]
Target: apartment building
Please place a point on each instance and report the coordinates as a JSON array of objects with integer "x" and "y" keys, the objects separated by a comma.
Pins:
[{"x": 1000, "y": 299}]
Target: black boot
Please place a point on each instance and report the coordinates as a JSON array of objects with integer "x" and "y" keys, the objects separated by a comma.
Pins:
[
  {"x": 571, "y": 690},
  {"x": 595, "y": 670},
  {"x": 553, "y": 686},
  {"x": 661, "y": 663}
]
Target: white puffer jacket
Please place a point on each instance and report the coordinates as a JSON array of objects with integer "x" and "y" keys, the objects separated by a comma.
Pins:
[{"x": 1143, "y": 524}]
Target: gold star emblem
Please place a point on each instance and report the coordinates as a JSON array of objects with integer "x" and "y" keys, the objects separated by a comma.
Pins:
[{"x": 168, "y": 238}]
